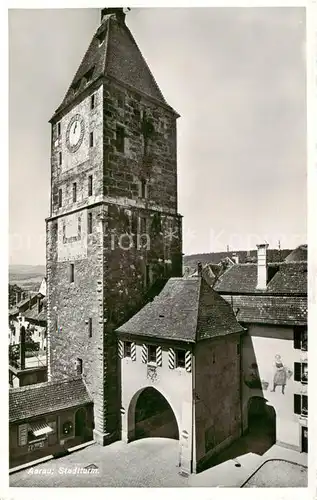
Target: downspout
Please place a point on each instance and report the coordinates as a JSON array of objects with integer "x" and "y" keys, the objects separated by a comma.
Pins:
[{"x": 193, "y": 454}]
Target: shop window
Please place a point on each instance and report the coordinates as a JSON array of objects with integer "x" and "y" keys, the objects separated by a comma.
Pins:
[{"x": 67, "y": 428}]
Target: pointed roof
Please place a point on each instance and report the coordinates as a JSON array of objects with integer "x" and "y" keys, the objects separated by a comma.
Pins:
[
  {"x": 187, "y": 310},
  {"x": 113, "y": 52}
]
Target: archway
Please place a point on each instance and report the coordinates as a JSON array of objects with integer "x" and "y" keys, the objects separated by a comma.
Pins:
[
  {"x": 261, "y": 423},
  {"x": 80, "y": 422},
  {"x": 150, "y": 415}
]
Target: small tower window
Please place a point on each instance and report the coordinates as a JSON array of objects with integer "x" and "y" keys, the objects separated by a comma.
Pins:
[
  {"x": 151, "y": 354},
  {"x": 143, "y": 225},
  {"x": 89, "y": 223},
  {"x": 60, "y": 158},
  {"x": 127, "y": 349},
  {"x": 91, "y": 139},
  {"x": 74, "y": 192},
  {"x": 92, "y": 102},
  {"x": 180, "y": 358},
  {"x": 90, "y": 185},
  {"x": 60, "y": 198},
  {"x": 72, "y": 273},
  {"x": 79, "y": 366},
  {"x": 59, "y": 129},
  {"x": 120, "y": 138},
  {"x": 90, "y": 327},
  {"x": 143, "y": 188}
]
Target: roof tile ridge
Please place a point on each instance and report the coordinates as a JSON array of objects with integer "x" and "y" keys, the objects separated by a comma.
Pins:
[{"x": 108, "y": 28}]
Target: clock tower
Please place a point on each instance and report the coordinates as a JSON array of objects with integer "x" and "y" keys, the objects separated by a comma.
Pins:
[{"x": 114, "y": 233}]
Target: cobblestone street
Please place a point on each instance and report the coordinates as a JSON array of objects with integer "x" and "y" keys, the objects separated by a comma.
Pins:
[{"x": 149, "y": 462}]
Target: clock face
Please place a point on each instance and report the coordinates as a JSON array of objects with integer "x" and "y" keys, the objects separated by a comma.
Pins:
[{"x": 75, "y": 133}]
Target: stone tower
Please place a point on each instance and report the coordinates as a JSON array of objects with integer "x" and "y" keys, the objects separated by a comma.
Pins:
[{"x": 114, "y": 233}]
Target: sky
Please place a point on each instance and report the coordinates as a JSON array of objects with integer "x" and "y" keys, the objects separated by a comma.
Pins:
[{"x": 237, "y": 77}]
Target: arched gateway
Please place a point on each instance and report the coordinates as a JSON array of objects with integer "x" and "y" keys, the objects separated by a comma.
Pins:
[{"x": 151, "y": 415}]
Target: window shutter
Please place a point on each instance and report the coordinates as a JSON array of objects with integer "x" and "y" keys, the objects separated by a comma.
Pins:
[
  {"x": 159, "y": 355},
  {"x": 120, "y": 348},
  {"x": 171, "y": 359},
  {"x": 297, "y": 338},
  {"x": 297, "y": 404},
  {"x": 133, "y": 351},
  {"x": 297, "y": 372},
  {"x": 188, "y": 361},
  {"x": 144, "y": 353}
]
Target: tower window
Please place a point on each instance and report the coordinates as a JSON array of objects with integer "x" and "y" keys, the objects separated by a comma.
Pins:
[
  {"x": 90, "y": 327},
  {"x": 74, "y": 192},
  {"x": 180, "y": 358},
  {"x": 143, "y": 188},
  {"x": 120, "y": 139},
  {"x": 92, "y": 102},
  {"x": 127, "y": 349},
  {"x": 59, "y": 129},
  {"x": 151, "y": 353},
  {"x": 90, "y": 185},
  {"x": 91, "y": 139},
  {"x": 60, "y": 158},
  {"x": 89, "y": 223},
  {"x": 79, "y": 366},
  {"x": 60, "y": 198},
  {"x": 72, "y": 273}
]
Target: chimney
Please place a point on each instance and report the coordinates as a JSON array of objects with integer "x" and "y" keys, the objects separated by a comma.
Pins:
[
  {"x": 262, "y": 266},
  {"x": 22, "y": 347},
  {"x": 235, "y": 258},
  {"x": 199, "y": 269},
  {"x": 119, "y": 13}
]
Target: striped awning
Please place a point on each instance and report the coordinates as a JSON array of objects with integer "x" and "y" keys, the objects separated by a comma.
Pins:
[{"x": 40, "y": 428}]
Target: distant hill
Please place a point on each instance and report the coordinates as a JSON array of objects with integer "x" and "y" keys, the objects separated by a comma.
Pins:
[
  {"x": 27, "y": 277},
  {"x": 273, "y": 255}
]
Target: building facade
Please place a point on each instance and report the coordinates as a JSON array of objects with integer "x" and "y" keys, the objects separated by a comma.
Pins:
[
  {"x": 47, "y": 419},
  {"x": 113, "y": 230},
  {"x": 270, "y": 301},
  {"x": 180, "y": 371}
]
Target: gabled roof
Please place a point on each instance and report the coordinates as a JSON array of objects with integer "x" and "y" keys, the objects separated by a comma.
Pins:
[
  {"x": 39, "y": 399},
  {"x": 113, "y": 52},
  {"x": 186, "y": 310},
  {"x": 289, "y": 278}
]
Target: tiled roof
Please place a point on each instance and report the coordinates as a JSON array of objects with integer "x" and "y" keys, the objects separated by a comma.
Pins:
[
  {"x": 39, "y": 399},
  {"x": 284, "y": 278},
  {"x": 186, "y": 310},
  {"x": 269, "y": 309},
  {"x": 31, "y": 313},
  {"x": 290, "y": 279},
  {"x": 299, "y": 254},
  {"x": 119, "y": 57}
]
